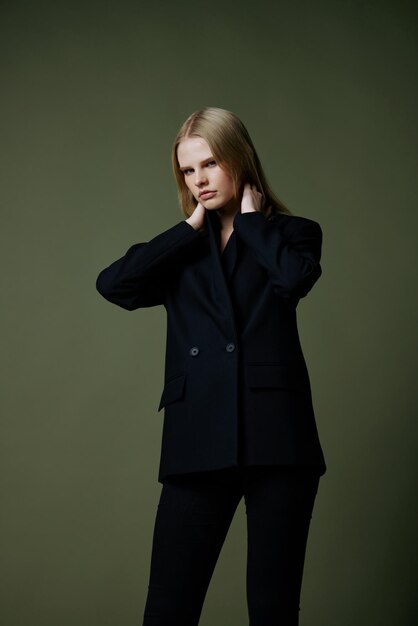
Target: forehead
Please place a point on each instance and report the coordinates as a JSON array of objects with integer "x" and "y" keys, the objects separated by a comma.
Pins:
[{"x": 192, "y": 149}]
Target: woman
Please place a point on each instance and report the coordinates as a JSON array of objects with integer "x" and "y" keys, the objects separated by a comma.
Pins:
[{"x": 238, "y": 413}]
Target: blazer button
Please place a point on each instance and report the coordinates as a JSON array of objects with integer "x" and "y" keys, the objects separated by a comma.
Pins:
[
  {"x": 194, "y": 351},
  {"x": 230, "y": 347}
]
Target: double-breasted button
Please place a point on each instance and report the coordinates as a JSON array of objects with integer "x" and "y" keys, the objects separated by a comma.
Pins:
[
  {"x": 194, "y": 351},
  {"x": 230, "y": 347}
]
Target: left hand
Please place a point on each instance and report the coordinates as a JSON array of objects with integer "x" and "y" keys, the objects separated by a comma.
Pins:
[{"x": 252, "y": 199}]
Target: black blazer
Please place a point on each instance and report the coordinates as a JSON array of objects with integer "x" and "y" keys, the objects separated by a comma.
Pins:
[{"x": 236, "y": 385}]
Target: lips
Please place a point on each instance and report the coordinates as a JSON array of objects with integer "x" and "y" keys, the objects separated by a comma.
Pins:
[{"x": 206, "y": 194}]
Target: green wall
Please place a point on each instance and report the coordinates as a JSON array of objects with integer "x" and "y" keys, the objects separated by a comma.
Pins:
[{"x": 92, "y": 94}]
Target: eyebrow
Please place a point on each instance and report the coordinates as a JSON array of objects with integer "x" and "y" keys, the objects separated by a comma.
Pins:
[{"x": 187, "y": 167}]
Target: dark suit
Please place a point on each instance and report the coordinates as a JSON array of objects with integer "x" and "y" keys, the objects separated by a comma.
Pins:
[{"x": 237, "y": 389}]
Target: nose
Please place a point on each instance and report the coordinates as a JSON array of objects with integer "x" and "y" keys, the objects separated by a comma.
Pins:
[{"x": 199, "y": 178}]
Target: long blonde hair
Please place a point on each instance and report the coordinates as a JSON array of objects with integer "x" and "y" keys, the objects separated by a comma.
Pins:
[{"x": 232, "y": 147}]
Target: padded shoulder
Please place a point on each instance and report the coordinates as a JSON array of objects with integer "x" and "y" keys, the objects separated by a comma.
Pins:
[{"x": 294, "y": 223}]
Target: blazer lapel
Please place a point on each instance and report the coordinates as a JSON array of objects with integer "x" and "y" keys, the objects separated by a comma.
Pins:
[
  {"x": 229, "y": 255},
  {"x": 219, "y": 282}
]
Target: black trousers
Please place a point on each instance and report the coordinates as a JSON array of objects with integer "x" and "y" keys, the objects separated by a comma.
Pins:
[{"x": 192, "y": 520}]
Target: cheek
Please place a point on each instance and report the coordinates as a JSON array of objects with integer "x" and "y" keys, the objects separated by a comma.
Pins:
[
  {"x": 188, "y": 185},
  {"x": 229, "y": 187},
  {"x": 227, "y": 183}
]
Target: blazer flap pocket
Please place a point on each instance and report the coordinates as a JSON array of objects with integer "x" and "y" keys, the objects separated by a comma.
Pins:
[{"x": 173, "y": 390}]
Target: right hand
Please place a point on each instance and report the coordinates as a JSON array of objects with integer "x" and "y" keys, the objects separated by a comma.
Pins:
[{"x": 197, "y": 218}]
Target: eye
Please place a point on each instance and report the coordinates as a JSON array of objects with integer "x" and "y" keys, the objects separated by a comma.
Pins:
[{"x": 209, "y": 163}]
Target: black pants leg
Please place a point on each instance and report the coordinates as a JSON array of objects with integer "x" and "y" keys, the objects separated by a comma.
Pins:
[
  {"x": 192, "y": 521},
  {"x": 279, "y": 503},
  {"x": 193, "y": 517}
]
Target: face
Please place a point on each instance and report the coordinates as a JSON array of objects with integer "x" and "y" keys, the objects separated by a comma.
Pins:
[{"x": 202, "y": 172}]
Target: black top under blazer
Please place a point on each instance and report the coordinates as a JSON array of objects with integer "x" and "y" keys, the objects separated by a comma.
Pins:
[{"x": 236, "y": 386}]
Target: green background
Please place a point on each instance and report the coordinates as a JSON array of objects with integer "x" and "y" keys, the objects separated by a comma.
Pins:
[{"x": 92, "y": 95}]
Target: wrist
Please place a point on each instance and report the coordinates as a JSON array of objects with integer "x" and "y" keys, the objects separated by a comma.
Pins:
[{"x": 193, "y": 223}]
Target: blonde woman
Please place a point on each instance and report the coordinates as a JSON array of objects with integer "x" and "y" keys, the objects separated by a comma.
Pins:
[{"x": 238, "y": 413}]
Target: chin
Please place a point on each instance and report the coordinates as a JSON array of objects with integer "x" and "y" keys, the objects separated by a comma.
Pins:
[
  {"x": 208, "y": 204},
  {"x": 215, "y": 203}
]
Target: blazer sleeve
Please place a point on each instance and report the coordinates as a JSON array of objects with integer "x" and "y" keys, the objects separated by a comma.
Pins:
[
  {"x": 140, "y": 278},
  {"x": 289, "y": 250}
]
